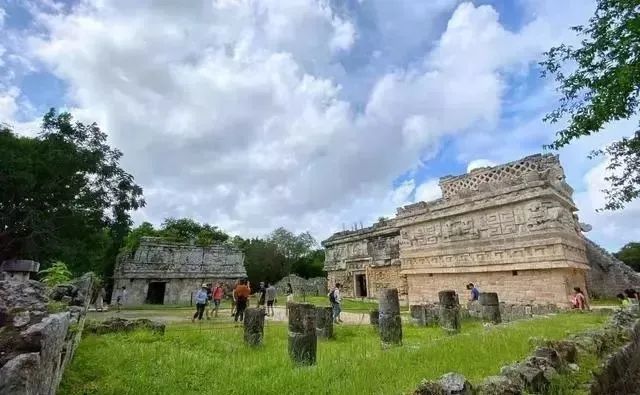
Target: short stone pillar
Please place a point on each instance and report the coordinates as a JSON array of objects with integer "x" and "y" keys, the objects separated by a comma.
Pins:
[
  {"x": 254, "y": 326},
  {"x": 418, "y": 314},
  {"x": 390, "y": 323},
  {"x": 490, "y": 307},
  {"x": 18, "y": 270},
  {"x": 449, "y": 311},
  {"x": 324, "y": 322},
  {"x": 374, "y": 318},
  {"x": 303, "y": 342}
]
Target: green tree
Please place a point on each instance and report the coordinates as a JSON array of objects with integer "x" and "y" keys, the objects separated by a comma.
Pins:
[
  {"x": 64, "y": 195},
  {"x": 630, "y": 254},
  {"x": 599, "y": 82},
  {"x": 263, "y": 261},
  {"x": 57, "y": 273},
  {"x": 183, "y": 230}
]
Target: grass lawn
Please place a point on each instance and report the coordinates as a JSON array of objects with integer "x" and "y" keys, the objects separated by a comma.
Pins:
[{"x": 189, "y": 360}]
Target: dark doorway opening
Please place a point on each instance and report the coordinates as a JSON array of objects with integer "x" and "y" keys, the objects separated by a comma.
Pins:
[
  {"x": 361, "y": 285},
  {"x": 155, "y": 294}
]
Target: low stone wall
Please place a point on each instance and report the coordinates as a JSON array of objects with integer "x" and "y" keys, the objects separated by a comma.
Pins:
[
  {"x": 316, "y": 286},
  {"x": 36, "y": 341},
  {"x": 534, "y": 374},
  {"x": 427, "y": 314}
]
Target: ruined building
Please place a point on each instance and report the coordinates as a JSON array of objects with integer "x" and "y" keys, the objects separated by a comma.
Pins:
[
  {"x": 510, "y": 229},
  {"x": 162, "y": 272}
]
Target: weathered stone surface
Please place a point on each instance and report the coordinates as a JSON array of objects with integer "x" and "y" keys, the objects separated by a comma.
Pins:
[
  {"x": 116, "y": 324},
  {"x": 477, "y": 233},
  {"x": 181, "y": 267},
  {"x": 488, "y": 299},
  {"x": 418, "y": 314},
  {"x": 316, "y": 286},
  {"x": 549, "y": 354},
  {"x": 566, "y": 350},
  {"x": 254, "y": 326},
  {"x": 302, "y": 333},
  {"x": 455, "y": 383},
  {"x": 374, "y": 317},
  {"x": 427, "y": 387},
  {"x": 324, "y": 322},
  {"x": 22, "y": 296},
  {"x": 20, "y": 375},
  {"x": 498, "y": 385},
  {"x": 449, "y": 311},
  {"x": 390, "y": 322}
]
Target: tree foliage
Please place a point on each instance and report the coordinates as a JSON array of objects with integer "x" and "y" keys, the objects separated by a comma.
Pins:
[
  {"x": 630, "y": 255},
  {"x": 599, "y": 82},
  {"x": 183, "y": 230},
  {"x": 64, "y": 195},
  {"x": 57, "y": 273}
]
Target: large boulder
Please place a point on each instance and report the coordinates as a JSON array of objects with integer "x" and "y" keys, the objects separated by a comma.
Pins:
[{"x": 498, "y": 385}]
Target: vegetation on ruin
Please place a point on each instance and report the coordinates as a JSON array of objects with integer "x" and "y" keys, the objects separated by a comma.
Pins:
[
  {"x": 57, "y": 273},
  {"x": 212, "y": 357},
  {"x": 630, "y": 254},
  {"x": 599, "y": 83}
]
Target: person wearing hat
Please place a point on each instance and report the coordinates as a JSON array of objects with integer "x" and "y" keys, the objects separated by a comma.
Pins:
[{"x": 201, "y": 303}]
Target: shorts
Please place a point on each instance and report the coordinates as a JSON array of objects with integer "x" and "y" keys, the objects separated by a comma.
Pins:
[
  {"x": 270, "y": 303},
  {"x": 216, "y": 302}
]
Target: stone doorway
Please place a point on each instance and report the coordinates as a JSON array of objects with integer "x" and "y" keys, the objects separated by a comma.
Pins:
[
  {"x": 361, "y": 285},
  {"x": 155, "y": 293}
]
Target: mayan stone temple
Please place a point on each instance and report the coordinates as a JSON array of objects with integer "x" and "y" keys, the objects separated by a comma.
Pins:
[
  {"x": 510, "y": 229},
  {"x": 163, "y": 272}
]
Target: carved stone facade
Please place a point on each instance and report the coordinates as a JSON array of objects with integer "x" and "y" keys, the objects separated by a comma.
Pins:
[
  {"x": 510, "y": 229},
  {"x": 163, "y": 272}
]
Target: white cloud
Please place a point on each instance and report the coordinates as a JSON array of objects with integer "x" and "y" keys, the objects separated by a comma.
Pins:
[
  {"x": 428, "y": 190},
  {"x": 478, "y": 163}
]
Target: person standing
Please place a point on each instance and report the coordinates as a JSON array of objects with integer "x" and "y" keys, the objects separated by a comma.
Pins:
[
  {"x": 336, "y": 300},
  {"x": 100, "y": 299},
  {"x": 217, "y": 295},
  {"x": 271, "y": 294},
  {"x": 122, "y": 298},
  {"x": 242, "y": 293},
  {"x": 201, "y": 303}
]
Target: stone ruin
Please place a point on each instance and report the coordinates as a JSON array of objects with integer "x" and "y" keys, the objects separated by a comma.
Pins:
[
  {"x": 38, "y": 334},
  {"x": 164, "y": 272},
  {"x": 509, "y": 229}
]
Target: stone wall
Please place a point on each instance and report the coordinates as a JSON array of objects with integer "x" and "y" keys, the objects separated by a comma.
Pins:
[
  {"x": 526, "y": 287},
  {"x": 36, "y": 345},
  {"x": 316, "y": 286},
  {"x": 608, "y": 275},
  {"x": 182, "y": 267}
]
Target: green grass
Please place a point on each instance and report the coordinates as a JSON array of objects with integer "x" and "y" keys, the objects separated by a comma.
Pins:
[
  {"x": 605, "y": 302},
  {"x": 350, "y": 305},
  {"x": 189, "y": 360},
  {"x": 575, "y": 383}
]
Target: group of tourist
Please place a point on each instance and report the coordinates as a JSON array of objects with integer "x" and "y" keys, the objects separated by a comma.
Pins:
[
  {"x": 212, "y": 296},
  {"x": 629, "y": 297}
]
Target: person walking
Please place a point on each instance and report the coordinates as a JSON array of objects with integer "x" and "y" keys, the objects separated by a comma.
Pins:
[
  {"x": 100, "y": 299},
  {"x": 201, "y": 303},
  {"x": 263, "y": 294},
  {"x": 336, "y": 300},
  {"x": 217, "y": 294},
  {"x": 242, "y": 293},
  {"x": 271, "y": 294}
]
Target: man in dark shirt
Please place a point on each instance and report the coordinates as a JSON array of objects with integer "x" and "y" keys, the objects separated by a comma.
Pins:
[{"x": 475, "y": 293}]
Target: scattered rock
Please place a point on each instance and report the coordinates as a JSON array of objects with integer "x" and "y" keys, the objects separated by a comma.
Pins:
[
  {"x": 549, "y": 354},
  {"x": 573, "y": 367},
  {"x": 498, "y": 385},
  {"x": 455, "y": 384},
  {"x": 427, "y": 387},
  {"x": 567, "y": 350}
]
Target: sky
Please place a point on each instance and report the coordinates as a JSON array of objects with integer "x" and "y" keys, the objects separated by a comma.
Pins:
[{"x": 308, "y": 114}]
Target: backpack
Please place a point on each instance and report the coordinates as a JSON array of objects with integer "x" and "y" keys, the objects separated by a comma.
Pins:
[{"x": 332, "y": 297}]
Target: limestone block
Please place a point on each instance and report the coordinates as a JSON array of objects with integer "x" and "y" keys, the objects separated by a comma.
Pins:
[
  {"x": 390, "y": 322},
  {"x": 449, "y": 311},
  {"x": 302, "y": 333},
  {"x": 254, "y": 326},
  {"x": 20, "y": 375},
  {"x": 324, "y": 322},
  {"x": 498, "y": 385}
]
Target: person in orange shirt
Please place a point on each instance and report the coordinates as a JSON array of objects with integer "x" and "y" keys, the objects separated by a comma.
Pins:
[{"x": 242, "y": 297}]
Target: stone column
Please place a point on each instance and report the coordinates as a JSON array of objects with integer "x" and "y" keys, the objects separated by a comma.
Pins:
[
  {"x": 490, "y": 307},
  {"x": 18, "y": 270},
  {"x": 449, "y": 311},
  {"x": 374, "y": 317},
  {"x": 254, "y": 326},
  {"x": 324, "y": 322},
  {"x": 390, "y": 323},
  {"x": 302, "y": 333},
  {"x": 418, "y": 314}
]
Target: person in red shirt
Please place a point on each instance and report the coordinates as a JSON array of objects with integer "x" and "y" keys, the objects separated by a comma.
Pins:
[
  {"x": 216, "y": 297},
  {"x": 242, "y": 297}
]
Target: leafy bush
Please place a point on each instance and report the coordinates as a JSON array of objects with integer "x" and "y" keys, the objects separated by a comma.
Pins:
[{"x": 58, "y": 273}]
